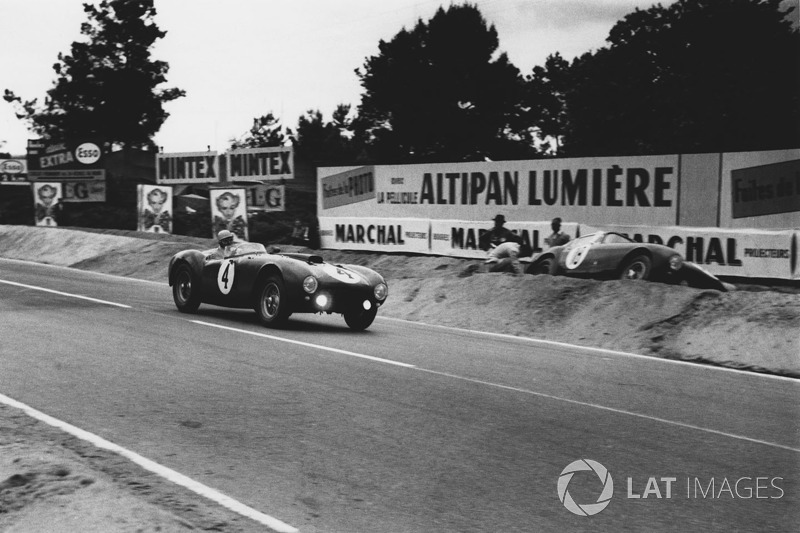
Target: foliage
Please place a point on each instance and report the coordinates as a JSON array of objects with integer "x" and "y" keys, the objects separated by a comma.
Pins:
[
  {"x": 696, "y": 76},
  {"x": 326, "y": 143},
  {"x": 265, "y": 132},
  {"x": 440, "y": 92},
  {"x": 545, "y": 102},
  {"x": 106, "y": 87}
]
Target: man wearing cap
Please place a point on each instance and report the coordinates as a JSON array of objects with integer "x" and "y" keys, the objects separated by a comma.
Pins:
[{"x": 503, "y": 247}]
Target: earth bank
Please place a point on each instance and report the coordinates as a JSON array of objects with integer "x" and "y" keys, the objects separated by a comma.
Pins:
[{"x": 754, "y": 328}]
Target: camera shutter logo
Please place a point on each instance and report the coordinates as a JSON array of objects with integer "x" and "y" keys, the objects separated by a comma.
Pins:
[{"x": 588, "y": 509}]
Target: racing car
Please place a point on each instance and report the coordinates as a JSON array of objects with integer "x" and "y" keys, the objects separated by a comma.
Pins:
[
  {"x": 610, "y": 255},
  {"x": 275, "y": 284}
]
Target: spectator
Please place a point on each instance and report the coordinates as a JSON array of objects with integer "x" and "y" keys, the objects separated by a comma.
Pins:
[
  {"x": 558, "y": 237},
  {"x": 299, "y": 233},
  {"x": 502, "y": 246}
]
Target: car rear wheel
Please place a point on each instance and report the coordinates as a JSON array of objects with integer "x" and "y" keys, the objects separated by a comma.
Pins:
[
  {"x": 272, "y": 306},
  {"x": 360, "y": 319},
  {"x": 186, "y": 290},
  {"x": 636, "y": 268}
]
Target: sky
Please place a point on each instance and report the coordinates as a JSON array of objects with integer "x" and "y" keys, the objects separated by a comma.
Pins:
[{"x": 241, "y": 59}]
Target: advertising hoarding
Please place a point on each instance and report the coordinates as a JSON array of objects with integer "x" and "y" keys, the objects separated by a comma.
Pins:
[
  {"x": 260, "y": 164},
  {"x": 155, "y": 208}
]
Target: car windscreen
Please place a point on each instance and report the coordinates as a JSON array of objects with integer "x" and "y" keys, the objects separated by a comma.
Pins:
[
  {"x": 616, "y": 238},
  {"x": 247, "y": 248}
]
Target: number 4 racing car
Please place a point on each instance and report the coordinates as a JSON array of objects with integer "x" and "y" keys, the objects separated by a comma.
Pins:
[
  {"x": 609, "y": 255},
  {"x": 275, "y": 285}
]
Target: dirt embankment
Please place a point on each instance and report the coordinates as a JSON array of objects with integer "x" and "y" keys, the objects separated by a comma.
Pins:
[{"x": 750, "y": 329}]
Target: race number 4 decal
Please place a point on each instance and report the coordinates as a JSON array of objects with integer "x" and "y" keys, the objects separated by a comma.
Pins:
[
  {"x": 225, "y": 276},
  {"x": 576, "y": 256},
  {"x": 340, "y": 274}
]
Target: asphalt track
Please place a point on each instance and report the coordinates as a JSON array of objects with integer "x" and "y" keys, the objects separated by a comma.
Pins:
[{"x": 404, "y": 427}]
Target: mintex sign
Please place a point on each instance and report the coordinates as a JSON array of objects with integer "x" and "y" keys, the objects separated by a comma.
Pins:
[
  {"x": 260, "y": 164},
  {"x": 187, "y": 168},
  {"x": 71, "y": 160}
]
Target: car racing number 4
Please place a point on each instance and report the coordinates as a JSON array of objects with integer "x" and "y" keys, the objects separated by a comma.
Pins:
[
  {"x": 340, "y": 274},
  {"x": 225, "y": 276}
]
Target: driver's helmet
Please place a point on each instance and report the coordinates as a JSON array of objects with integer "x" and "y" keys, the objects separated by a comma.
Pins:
[{"x": 225, "y": 238}]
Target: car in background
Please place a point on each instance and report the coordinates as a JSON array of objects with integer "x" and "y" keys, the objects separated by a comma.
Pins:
[
  {"x": 611, "y": 255},
  {"x": 275, "y": 284}
]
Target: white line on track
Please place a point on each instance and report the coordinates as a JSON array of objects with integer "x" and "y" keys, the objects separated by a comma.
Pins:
[
  {"x": 152, "y": 466},
  {"x": 605, "y": 351},
  {"x": 612, "y": 410},
  {"x": 306, "y": 344},
  {"x": 505, "y": 387},
  {"x": 95, "y": 300}
]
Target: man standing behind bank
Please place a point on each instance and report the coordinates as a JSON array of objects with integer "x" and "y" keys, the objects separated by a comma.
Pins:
[
  {"x": 503, "y": 247},
  {"x": 558, "y": 237}
]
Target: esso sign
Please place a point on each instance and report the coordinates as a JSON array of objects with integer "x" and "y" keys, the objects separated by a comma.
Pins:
[
  {"x": 87, "y": 153},
  {"x": 10, "y": 166}
]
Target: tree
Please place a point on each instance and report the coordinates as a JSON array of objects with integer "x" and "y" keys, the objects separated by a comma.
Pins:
[
  {"x": 326, "y": 143},
  {"x": 107, "y": 86},
  {"x": 696, "y": 76},
  {"x": 440, "y": 92},
  {"x": 266, "y": 131},
  {"x": 545, "y": 102}
]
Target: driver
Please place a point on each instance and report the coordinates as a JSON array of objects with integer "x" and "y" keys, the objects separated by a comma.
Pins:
[{"x": 225, "y": 240}]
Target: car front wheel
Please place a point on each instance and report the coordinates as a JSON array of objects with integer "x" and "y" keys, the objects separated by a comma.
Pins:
[
  {"x": 545, "y": 266},
  {"x": 360, "y": 319},
  {"x": 272, "y": 306},
  {"x": 186, "y": 290},
  {"x": 636, "y": 268}
]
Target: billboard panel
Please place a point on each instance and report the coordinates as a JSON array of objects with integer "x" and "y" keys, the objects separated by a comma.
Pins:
[
  {"x": 229, "y": 211},
  {"x": 155, "y": 208},
  {"x": 387, "y": 235},
  {"x": 14, "y": 171},
  {"x": 77, "y": 159},
  {"x": 260, "y": 164},
  {"x": 584, "y": 190},
  {"x": 47, "y": 203},
  {"x": 748, "y": 253},
  {"x": 187, "y": 168}
]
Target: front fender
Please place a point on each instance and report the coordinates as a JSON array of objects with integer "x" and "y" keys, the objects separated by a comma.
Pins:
[
  {"x": 370, "y": 275},
  {"x": 194, "y": 258},
  {"x": 698, "y": 277}
]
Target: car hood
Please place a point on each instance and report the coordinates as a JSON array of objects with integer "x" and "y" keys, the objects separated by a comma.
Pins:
[{"x": 329, "y": 273}]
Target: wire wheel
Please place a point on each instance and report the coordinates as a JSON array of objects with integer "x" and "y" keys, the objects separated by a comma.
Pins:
[
  {"x": 636, "y": 268},
  {"x": 272, "y": 307},
  {"x": 185, "y": 290}
]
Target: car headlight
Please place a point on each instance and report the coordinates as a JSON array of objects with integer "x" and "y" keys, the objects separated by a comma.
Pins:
[
  {"x": 676, "y": 262},
  {"x": 381, "y": 291},
  {"x": 310, "y": 284}
]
